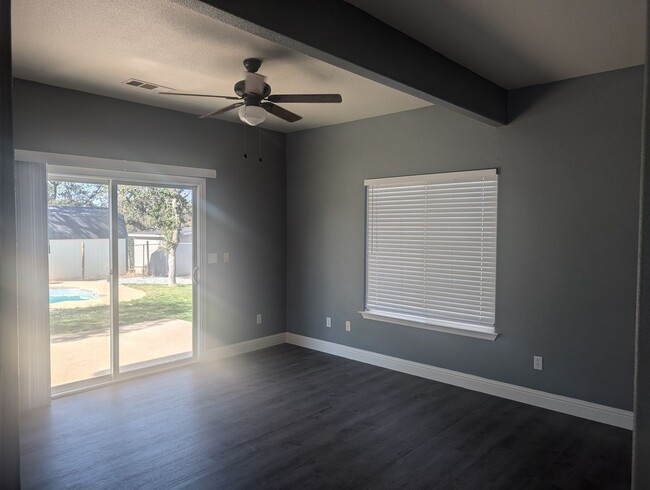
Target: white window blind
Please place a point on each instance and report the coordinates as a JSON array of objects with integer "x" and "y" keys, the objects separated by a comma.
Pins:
[{"x": 431, "y": 249}]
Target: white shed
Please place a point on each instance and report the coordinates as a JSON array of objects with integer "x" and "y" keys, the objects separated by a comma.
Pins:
[
  {"x": 151, "y": 260},
  {"x": 79, "y": 243}
]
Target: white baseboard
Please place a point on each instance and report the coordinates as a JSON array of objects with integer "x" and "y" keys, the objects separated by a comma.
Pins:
[
  {"x": 558, "y": 403},
  {"x": 243, "y": 347}
]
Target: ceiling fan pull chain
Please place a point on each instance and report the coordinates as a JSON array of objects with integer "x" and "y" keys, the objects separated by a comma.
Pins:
[
  {"x": 260, "y": 145},
  {"x": 245, "y": 154}
]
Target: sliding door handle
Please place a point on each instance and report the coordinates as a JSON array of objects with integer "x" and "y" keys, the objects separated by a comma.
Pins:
[{"x": 194, "y": 280}]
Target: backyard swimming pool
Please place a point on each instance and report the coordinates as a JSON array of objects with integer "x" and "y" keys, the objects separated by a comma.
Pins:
[{"x": 70, "y": 294}]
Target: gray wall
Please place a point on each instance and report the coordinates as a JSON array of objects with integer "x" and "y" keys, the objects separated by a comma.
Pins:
[
  {"x": 641, "y": 441},
  {"x": 567, "y": 232},
  {"x": 246, "y": 201},
  {"x": 9, "y": 381}
]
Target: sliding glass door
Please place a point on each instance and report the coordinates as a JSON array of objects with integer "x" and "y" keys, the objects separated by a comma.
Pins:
[
  {"x": 79, "y": 281},
  {"x": 122, "y": 266},
  {"x": 156, "y": 259}
]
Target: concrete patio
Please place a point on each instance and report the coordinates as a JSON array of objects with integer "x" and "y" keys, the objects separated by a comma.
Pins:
[{"x": 79, "y": 356}]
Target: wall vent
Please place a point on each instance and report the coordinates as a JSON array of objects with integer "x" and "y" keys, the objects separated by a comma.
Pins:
[{"x": 145, "y": 85}]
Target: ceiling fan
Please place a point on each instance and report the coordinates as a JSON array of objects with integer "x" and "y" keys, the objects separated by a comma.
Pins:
[{"x": 255, "y": 99}]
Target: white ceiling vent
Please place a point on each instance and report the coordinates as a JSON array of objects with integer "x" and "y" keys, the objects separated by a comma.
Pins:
[{"x": 145, "y": 85}]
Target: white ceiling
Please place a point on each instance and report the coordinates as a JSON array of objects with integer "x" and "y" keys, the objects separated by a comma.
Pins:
[
  {"x": 517, "y": 43},
  {"x": 96, "y": 45}
]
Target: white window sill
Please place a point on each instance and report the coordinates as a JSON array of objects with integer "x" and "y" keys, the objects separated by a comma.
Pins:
[{"x": 475, "y": 332}]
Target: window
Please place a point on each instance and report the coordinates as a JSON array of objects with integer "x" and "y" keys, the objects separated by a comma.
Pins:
[{"x": 431, "y": 251}]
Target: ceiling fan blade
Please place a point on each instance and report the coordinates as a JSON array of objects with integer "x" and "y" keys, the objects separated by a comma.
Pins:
[
  {"x": 311, "y": 98},
  {"x": 221, "y": 111},
  {"x": 202, "y": 95},
  {"x": 280, "y": 112}
]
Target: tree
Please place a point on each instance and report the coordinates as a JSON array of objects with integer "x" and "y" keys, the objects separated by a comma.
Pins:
[
  {"x": 63, "y": 193},
  {"x": 163, "y": 209}
]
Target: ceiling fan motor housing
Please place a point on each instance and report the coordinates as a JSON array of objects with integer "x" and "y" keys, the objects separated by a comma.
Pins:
[
  {"x": 252, "y": 99},
  {"x": 253, "y": 83},
  {"x": 240, "y": 89}
]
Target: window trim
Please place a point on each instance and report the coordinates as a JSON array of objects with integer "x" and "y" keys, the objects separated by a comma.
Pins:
[
  {"x": 483, "y": 333},
  {"x": 438, "y": 325}
]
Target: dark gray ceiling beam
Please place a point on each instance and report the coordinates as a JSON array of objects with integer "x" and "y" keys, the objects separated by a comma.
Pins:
[{"x": 349, "y": 38}]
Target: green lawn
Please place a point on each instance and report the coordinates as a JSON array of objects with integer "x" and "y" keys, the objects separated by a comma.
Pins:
[{"x": 161, "y": 302}]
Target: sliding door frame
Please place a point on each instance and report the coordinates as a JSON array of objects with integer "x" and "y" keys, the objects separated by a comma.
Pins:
[
  {"x": 114, "y": 178},
  {"x": 82, "y": 384},
  {"x": 168, "y": 182}
]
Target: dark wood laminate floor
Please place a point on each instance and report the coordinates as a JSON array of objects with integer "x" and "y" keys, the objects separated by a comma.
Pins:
[{"x": 288, "y": 417}]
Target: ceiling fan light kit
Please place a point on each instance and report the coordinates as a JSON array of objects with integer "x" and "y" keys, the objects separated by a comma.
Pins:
[
  {"x": 255, "y": 99},
  {"x": 252, "y": 114}
]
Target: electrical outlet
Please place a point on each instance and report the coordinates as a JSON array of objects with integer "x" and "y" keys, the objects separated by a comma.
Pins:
[
  {"x": 226, "y": 257},
  {"x": 328, "y": 322},
  {"x": 259, "y": 318},
  {"x": 213, "y": 258},
  {"x": 538, "y": 362},
  {"x": 347, "y": 326}
]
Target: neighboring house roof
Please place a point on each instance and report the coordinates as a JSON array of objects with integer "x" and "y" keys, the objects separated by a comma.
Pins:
[{"x": 72, "y": 222}]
